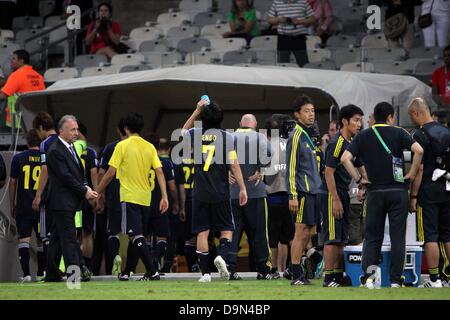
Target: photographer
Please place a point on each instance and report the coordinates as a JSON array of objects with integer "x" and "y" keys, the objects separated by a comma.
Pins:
[{"x": 103, "y": 34}]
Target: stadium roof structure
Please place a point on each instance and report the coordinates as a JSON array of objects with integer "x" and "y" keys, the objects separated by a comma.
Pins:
[{"x": 100, "y": 101}]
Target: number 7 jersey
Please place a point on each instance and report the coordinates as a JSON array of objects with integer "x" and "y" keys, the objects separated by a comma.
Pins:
[
  {"x": 26, "y": 168},
  {"x": 212, "y": 151}
]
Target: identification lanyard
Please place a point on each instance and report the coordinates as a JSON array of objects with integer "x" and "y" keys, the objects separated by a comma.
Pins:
[
  {"x": 310, "y": 142},
  {"x": 397, "y": 163}
]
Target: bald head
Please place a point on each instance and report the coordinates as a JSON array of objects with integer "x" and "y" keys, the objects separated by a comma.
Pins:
[
  {"x": 419, "y": 111},
  {"x": 248, "y": 121}
]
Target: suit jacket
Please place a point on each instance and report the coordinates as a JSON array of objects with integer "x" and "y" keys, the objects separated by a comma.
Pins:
[{"x": 67, "y": 183}]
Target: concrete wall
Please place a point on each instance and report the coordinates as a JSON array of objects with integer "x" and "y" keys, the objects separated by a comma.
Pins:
[{"x": 134, "y": 13}]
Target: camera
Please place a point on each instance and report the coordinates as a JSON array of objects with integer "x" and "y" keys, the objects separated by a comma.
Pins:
[
  {"x": 289, "y": 21},
  {"x": 104, "y": 24}
]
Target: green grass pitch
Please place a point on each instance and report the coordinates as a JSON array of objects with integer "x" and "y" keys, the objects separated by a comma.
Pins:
[{"x": 216, "y": 290}]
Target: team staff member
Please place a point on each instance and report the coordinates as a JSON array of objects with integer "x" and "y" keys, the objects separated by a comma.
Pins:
[
  {"x": 433, "y": 211},
  {"x": 253, "y": 152},
  {"x": 133, "y": 159},
  {"x": 213, "y": 148},
  {"x": 303, "y": 183},
  {"x": 381, "y": 150},
  {"x": 110, "y": 201},
  {"x": 25, "y": 170},
  {"x": 334, "y": 197},
  {"x": 67, "y": 190},
  {"x": 23, "y": 79}
]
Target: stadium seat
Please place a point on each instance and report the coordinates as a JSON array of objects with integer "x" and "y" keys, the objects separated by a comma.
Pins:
[
  {"x": 6, "y": 35},
  {"x": 147, "y": 33},
  {"x": 426, "y": 53},
  {"x": 128, "y": 59},
  {"x": 204, "y": 18},
  {"x": 98, "y": 71},
  {"x": 227, "y": 44},
  {"x": 223, "y": 6},
  {"x": 55, "y": 74},
  {"x": 358, "y": 67},
  {"x": 154, "y": 45},
  {"x": 388, "y": 54},
  {"x": 374, "y": 41},
  {"x": 318, "y": 55},
  {"x": 265, "y": 56},
  {"x": 32, "y": 45},
  {"x": 192, "y": 45},
  {"x": 263, "y": 5},
  {"x": 133, "y": 68},
  {"x": 159, "y": 59},
  {"x": 323, "y": 65},
  {"x": 238, "y": 56},
  {"x": 313, "y": 42},
  {"x": 287, "y": 65},
  {"x": 341, "y": 41},
  {"x": 183, "y": 32},
  {"x": 7, "y": 48},
  {"x": 89, "y": 60},
  {"x": 196, "y": 5},
  {"x": 353, "y": 26},
  {"x": 249, "y": 65},
  {"x": 345, "y": 55},
  {"x": 426, "y": 67},
  {"x": 391, "y": 67},
  {"x": 215, "y": 30},
  {"x": 46, "y": 7},
  {"x": 350, "y": 12},
  {"x": 27, "y": 22},
  {"x": 173, "y": 18},
  {"x": 264, "y": 42},
  {"x": 206, "y": 57},
  {"x": 52, "y": 21}
]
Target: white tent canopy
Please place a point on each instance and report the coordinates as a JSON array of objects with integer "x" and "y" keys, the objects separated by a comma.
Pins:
[{"x": 167, "y": 96}]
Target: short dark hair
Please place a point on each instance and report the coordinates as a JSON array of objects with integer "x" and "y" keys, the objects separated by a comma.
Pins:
[
  {"x": 347, "y": 112},
  {"x": 134, "y": 122},
  {"x": 23, "y": 55},
  {"x": 82, "y": 128},
  {"x": 447, "y": 48},
  {"x": 153, "y": 138},
  {"x": 121, "y": 126},
  {"x": 106, "y": 4},
  {"x": 300, "y": 101},
  {"x": 382, "y": 111},
  {"x": 32, "y": 138},
  {"x": 164, "y": 144},
  {"x": 212, "y": 116},
  {"x": 44, "y": 120}
]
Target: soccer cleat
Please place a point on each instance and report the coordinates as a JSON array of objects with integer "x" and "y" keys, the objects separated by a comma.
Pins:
[
  {"x": 86, "y": 274},
  {"x": 319, "y": 270},
  {"x": 445, "y": 284},
  {"x": 123, "y": 276},
  {"x": 264, "y": 276},
  {"x": 369, "y": 284},
  {"x": 396, "y": 285},
  {"x": 302, "y": 281},
  {"x": 331, "y": 284},
  {"x": 25, "y": 279},
  {"x": 308, "y": 268},
  {"x": 117, "y": 265},
  {"x": 275, "y": 275},
  {"x": 433, "y": 284},
  {"x": 235, "y": 276},
  {"x": 287, "y": 274},
  {"x": 222, "y": 268},
  {"x": 205, "y": 278},
  {"x": 150, "y": 277},
  {"x": 346, "y": 281}
]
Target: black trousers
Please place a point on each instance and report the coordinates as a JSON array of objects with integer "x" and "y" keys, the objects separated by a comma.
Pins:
[
  {"x": 394, "y": 203},
  {"x": 253, "y": 218},
  {"x": 63, "y": 240},
  {"x": 294, "y": 44}
]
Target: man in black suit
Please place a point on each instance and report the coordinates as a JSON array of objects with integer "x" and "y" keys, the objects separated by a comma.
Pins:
[{"x": 67, "y": 189}]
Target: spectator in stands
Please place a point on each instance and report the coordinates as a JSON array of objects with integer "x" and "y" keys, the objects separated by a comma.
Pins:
[
  {"x": 441, "y": 116},
  {"x": 23, "y": 79},
  {"x": 103, "y": 35},
  {"x": 7, "y": 13},
  {"x": 407, "y": 8},
  {"x": 332, "y": 130},
  {"x": 293, "y": 17},
  {"x": 323, "y": 12},
  {"x": 440, "y": 11},
  {"x": 440, "y": 81},
  {"x": 242, "y": 20}
]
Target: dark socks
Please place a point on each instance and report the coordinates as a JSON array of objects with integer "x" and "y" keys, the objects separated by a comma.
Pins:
[
  {"x": 87, "y": 262},
  {"x": 338, "y": 275},
  {"x": 191, "y": 255},
  {"x": 203, "y": 260},
  {"x": 132, "y": 258},
  {"x": 161, "y": 247},
  {"x": 224, "y": 248},
  {"x": 113, "y": 251},
  {"x": 24, "y": 257},
  {"x": 329, "y": 275},
  {"x": 142, "y": 251},
  {"x": 296, "y": 271},
  {"x": 434, "y": 274},
  {"x": 41, "y": 261}
]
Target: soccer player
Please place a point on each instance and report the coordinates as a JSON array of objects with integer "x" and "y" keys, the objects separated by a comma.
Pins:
[
  {"x": 214, "y": 155},
  {"x": 133, "y": 159},
  {"x": 111, "y": 201},
  {"x": 334, "y": 197},
  {"x": 303, "y": 183},
  {"x": 45, "y": 127},
  {"x": 25, "y": 171}
]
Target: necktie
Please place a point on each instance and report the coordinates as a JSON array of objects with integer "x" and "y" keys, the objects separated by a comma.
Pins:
[{"x": 74, "y": 155}]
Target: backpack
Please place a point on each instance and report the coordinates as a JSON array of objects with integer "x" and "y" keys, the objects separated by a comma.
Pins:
[
  {"x": 440, "y": 149},
  {"x": 395, "y": 26}
]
